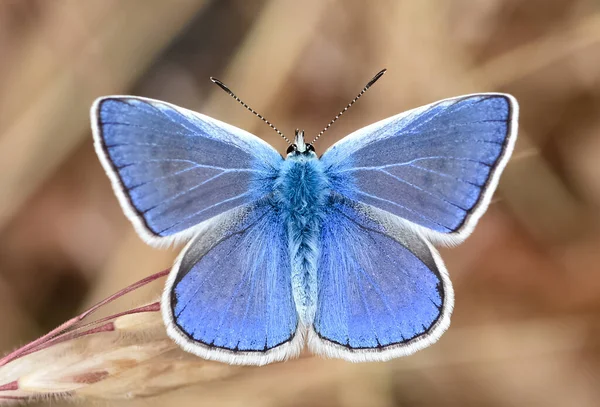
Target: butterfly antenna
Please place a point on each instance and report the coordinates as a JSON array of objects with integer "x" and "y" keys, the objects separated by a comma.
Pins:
[
  {"x": 233, "y": 95},
  {"x": 362, "y": 92}
]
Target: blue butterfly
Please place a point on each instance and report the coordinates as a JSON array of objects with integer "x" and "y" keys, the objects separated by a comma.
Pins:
[{"x": 333, "y": 252}]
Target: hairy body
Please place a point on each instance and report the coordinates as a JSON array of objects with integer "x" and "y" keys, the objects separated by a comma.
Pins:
[{"x": 301, "y": 191}]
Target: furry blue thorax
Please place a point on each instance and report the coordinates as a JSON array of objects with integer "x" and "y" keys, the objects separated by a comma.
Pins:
[{"x": 301, "y": 191}]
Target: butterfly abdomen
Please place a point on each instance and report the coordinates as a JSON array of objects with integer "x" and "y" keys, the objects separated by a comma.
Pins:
[{"x": 301, "y": 191}]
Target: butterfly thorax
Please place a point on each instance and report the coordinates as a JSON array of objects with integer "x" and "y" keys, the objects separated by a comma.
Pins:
[{"x": 301, "y": 191}]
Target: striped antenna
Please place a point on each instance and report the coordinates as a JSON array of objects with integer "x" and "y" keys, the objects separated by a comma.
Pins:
[
  {"x": 362, "y": 92},
  {"x": 226, "y": 89}
]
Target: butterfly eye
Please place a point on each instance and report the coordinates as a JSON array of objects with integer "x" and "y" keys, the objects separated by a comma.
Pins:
[
  {"x": 291, "y": 148},
  {"x": 309, "y": 147}
]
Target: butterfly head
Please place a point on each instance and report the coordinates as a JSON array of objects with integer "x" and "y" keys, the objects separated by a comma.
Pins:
[{"x": 299, "y": 146}]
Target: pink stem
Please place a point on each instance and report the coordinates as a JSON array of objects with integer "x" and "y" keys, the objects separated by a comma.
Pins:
[
  {"x": 66, "y": 325},
  {"x": 155, "y": 306},
  {"x": 108, "y": 327},
  {"x": 65, "y": 336},
  {"x": 10, "y": 386}
]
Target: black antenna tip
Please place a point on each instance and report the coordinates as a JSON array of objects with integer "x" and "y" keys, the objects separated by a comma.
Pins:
[
  {"x": 221, "y": 85},
  {"x": 375, "y": 78}
]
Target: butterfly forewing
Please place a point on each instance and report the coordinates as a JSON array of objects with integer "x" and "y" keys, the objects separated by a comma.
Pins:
[
  {"x": 436, "y": 166},
  {"x": 172, "y": 169}
]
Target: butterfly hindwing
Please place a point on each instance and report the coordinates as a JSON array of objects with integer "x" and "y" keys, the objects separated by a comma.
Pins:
[
  {"x": 173, "y": 169},
  {"x": 383, "y": 290},
  {"x": 229, "y": 296},
  {"x": 436, "y": 166}
]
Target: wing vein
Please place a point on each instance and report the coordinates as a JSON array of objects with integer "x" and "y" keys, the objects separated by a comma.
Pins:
[
  {"x": 410, "y": 162},
  {"x": 205, "y": 209},
  {"x": 201, "y": 283},
  {"x": 153, "y": 130},
  {"x": 422, "y": 190},
  {"x": 185, "y": 192},
  {"x": 424, "y": 217},
  {"x": 440, "y": 111},
  {"x": 162, "y": 178},
  {"x": 445, "y": 175}
]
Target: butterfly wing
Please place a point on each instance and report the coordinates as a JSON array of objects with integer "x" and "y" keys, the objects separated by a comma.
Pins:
[
  {"x": 173, "y": 169},
  {"x": 229, "y": 295},
  {"x": 436, "y": 166},
  {"x": 383, "y": 290}
]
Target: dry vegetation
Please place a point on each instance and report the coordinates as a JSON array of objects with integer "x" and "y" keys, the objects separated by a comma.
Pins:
[{"x": 526, "y": 324}]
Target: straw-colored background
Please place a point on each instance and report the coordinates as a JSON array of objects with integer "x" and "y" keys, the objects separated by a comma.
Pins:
[{"x": 527, "y": 318}]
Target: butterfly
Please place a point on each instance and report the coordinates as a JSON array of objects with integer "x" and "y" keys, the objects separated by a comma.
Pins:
[{"x": 333, "y": 252}]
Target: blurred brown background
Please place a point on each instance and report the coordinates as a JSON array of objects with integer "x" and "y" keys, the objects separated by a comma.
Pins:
[{"x": 526, "y": 326}]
